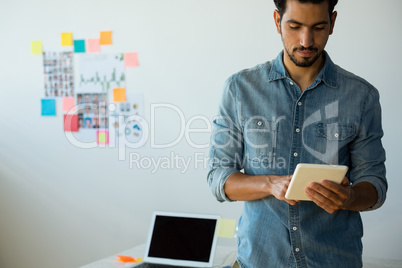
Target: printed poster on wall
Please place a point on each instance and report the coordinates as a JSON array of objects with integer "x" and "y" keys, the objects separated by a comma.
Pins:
[
  {"x": 123, "y": 123},
  {"x": 100, "y": 73},
  {"x": 92, "y": 110},
  {"x": 58, "y": 74}
]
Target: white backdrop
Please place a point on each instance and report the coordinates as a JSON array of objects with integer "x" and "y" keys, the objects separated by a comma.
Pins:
[{"x": 63, "y": 206}]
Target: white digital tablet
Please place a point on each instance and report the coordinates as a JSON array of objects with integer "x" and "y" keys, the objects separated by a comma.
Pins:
[{"x": 308, "y": 173}]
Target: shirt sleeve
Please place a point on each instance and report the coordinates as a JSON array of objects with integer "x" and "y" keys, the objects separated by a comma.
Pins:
[
  {"x": 366, "y": 152},
  {"x": 226, "y": 149}
]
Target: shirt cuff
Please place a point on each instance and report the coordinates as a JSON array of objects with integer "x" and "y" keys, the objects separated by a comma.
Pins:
[
  {"x": 380, "y": 188},
  {"x": 217, "y": 179}
]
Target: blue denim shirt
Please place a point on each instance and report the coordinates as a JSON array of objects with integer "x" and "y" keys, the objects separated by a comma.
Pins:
[{"x": 266, "y": 125}]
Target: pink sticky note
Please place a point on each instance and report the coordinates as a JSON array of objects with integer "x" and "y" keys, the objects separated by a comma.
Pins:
[
  {"x": 131, "y": 59},
  {"x": 71, "y": 122},
  {"x": 68, "y": 104},
  {"x": 102, "y": 136},
  {"x": 93, "y": 45}
]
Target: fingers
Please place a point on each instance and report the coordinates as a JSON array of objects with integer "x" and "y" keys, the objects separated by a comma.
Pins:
[
  {"x": 291, "y": 202},
  {"x": 335, "y": 192},
  {"x": 322, "y": 201},
  {"x": 325, "y": 204},
  {"x": 279, "y": 186},
  {"x": 329, "y": 196},
  {"x": 345, "y": 182}
]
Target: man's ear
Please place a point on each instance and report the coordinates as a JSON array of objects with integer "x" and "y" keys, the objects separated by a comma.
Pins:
[
  {"x": 333, "y": 19},
  {"x": 277, "y": 19}
]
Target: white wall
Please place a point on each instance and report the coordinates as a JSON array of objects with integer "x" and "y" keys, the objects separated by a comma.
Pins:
[{"x": 63, "y": 206}]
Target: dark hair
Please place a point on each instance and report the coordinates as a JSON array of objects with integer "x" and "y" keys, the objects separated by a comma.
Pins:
[{"x": 281, "y": 5}]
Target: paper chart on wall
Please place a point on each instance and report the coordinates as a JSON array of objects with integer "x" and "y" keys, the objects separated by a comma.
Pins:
[
  {"x": 93, "y": 118},
  {"x": 58, "y": 74},
  {"x": 100, "y": 73},
  {"x": 128, "y": 118},
  {"x": 92, "y": 110}
]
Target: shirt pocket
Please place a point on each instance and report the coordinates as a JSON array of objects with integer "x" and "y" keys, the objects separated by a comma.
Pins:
[
  {"x": 260, "y": 139},
  {"x": 336, "y": 131}
]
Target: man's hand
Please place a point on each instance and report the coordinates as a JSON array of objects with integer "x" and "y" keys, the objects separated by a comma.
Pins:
[
  {"x": 278, "y": 187},
  {"x": 331, "y": 196}
]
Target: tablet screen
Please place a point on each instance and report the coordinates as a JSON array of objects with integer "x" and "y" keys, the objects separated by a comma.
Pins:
[{"x": 308, "y": 173}]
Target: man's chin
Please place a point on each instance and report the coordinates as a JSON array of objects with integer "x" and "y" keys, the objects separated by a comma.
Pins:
[{"x": 305, "y": 62}]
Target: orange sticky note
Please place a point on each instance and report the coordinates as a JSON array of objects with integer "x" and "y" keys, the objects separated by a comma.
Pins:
[
  {"x": 105, "y": 38},
  {"x": 128, "y": 259},
  {"x": 66, "y": 39},
  {"x": 119, "y": 94},
  {"x": 131, "y": 59}
]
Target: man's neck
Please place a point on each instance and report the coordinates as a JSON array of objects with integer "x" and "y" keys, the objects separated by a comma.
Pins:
[{"x": 303, "y": 76}]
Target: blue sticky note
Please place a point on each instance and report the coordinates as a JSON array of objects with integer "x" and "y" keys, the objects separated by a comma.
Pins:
[
  {"x": 48, "y": 107},
  {"x": 79, "y": 46}
]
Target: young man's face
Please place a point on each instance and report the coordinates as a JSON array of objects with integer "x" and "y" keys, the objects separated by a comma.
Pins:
[{"x": 305, "y": 29}]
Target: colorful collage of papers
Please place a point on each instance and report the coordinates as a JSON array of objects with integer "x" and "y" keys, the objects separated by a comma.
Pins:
[{"x": 86, "y": 82}]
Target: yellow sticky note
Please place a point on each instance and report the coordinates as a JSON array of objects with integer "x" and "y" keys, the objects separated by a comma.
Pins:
[
  {"x": 36, "y": 47},
  {"x": 119, "y": 94},
  {"x": 105, "y": 38},
  {"x": 66, "y": 39},
  {"x": 226, "y": 228}
]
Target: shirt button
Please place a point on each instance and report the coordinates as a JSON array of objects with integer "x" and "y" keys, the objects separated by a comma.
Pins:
[
  {"x": 336, "y": 135},
  {"x": 259, "y": 123},
  {"x": 295, "y": 228},
  {"x": 297, "y": 130},
  {"x": 299, "y": 103},
  {"x": 295, "y": 154},
  {"x": 291, "y": 83},
  {"x": 297, "y": 249}
]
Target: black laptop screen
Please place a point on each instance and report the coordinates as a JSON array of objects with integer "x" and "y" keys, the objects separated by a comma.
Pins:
[{"x": 182, "y": 238}]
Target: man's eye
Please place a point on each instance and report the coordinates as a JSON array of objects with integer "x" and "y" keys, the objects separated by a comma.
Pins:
[
  {"x": 294, "y": 27},
  {"x": 319, "y": 28}
]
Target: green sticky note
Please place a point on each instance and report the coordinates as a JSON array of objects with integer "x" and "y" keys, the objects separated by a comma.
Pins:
[
  {"x": 79, "y": 46},
  {"x": 102, "y": 137},
  {"x": 227, "y": 228},
  {"x": 36, "y": 48},
  {"x": 48, "y": 107}
]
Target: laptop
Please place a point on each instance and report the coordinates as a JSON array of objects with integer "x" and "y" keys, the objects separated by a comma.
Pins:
[{"x": 181, "y": 240}]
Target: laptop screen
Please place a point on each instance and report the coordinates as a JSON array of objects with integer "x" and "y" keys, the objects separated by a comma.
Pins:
[{"x": 182, "y": 239}]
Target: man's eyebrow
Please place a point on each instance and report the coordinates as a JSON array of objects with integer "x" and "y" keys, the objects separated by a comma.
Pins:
[{"x": 315, "y": 24}]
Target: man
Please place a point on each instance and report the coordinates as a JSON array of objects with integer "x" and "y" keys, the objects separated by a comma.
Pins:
[{"x": 299, "y": 108}]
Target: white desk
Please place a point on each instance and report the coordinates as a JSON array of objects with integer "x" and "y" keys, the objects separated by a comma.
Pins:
[{"x": 224, "y": 256}]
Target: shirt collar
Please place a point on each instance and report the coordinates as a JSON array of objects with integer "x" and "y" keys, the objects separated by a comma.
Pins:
[{"x": 327, "y": 74}]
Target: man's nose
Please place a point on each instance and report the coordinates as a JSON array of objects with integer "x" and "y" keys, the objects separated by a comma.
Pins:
[{"x": 307, "y": 37}]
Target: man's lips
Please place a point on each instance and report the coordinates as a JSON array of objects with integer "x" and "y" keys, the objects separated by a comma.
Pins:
[{"x": 305, "y": 53}]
